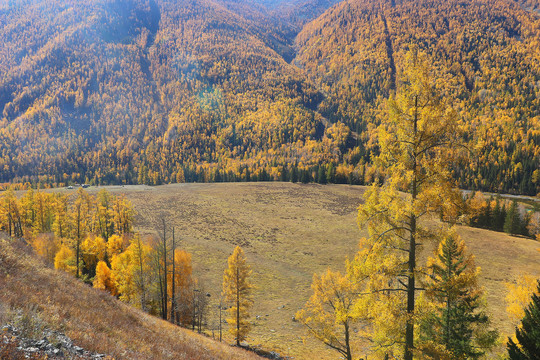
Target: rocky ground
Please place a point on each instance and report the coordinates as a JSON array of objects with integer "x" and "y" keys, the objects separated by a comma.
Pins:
[{"x": 52, "y": 345}]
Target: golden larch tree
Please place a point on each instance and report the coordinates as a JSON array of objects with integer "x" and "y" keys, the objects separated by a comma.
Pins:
[
  {"x": 414, "y": 141},
  {"x": 329, "y": 314},
  {"x": 237, "y": 290},
  {"x": 103, "y": 279}
]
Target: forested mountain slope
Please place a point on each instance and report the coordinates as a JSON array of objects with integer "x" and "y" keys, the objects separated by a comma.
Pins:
[
  {"x": 485, "y": 54},
  {"x": 158, "y": 91},
  {"x": 101, "y": 92}
]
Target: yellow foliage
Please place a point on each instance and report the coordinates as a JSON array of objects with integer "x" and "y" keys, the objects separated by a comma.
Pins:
[
  {"x": 115, "y": 245},
  {"x": 183, "y": 284},
  {"x": 103, "y": 279},
  {"x": 129, "y": 272},
  {"x": 46, "y": 246},
  {"x": 65, "y": 260},
  {"x": 93, "y": 249},
  {"x": 329, "y": 313},
  {"x": 237, "y": 291},
  {"x": 519, "y": 296}
]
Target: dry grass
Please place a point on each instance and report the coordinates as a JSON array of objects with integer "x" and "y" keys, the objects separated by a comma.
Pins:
[
  {"x": 93, "y": 319},
  {"x": 290, "y": 231}
]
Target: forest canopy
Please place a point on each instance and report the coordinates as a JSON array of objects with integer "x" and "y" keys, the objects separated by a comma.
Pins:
[{"x": 144, "y": 91}]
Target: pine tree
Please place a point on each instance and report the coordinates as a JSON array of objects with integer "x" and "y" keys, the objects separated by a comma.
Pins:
[
  {"x": 528, "y": 334},
  {"x": 457, "y": 322},
  {"x": 294, "y": 173},
  {"x": 321, "y": 175},
  {"x": 496, "y": 216},
  {"x": 512, "y": 223},
  {"x": 237, "y": 290}
]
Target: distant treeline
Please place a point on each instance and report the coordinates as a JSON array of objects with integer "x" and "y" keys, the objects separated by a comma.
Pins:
[{"x": 498, "y": 214}]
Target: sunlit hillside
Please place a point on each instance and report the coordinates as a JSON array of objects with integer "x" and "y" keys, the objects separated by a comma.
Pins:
[
  {"x": 92, "y": 318},
  {"x": 154, "y": 92},
  {"x": 290, "y": 231}
]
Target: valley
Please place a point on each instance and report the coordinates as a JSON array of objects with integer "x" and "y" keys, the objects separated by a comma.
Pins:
[{"x": 289, "y": 231}]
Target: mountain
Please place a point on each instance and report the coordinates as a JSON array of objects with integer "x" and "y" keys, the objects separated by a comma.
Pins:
[
  {"x": 484, "y": 54},
  {"x": 106, "y": 90},
  {"x": 53, "y": 300},
  {"x": 159, "y": 91}
]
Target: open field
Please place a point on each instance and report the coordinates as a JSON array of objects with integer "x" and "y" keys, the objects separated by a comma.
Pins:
[{"x": 289, "y": 231}]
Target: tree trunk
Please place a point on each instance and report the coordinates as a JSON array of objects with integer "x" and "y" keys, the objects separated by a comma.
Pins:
[
  {"x": 165, "y": 293},
  {"x": 237, "y": 306},
  {"x": 77, "y": 250},
  {"x": 411, "y": 286},
  {"x": 173, "y": 297}
]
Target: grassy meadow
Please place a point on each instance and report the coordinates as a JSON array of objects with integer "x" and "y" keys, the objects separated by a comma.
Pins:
[{"x": 289, "y": 231}]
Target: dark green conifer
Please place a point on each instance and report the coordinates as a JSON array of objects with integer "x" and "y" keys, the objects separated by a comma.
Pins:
[{"x": 528, "y": 335}]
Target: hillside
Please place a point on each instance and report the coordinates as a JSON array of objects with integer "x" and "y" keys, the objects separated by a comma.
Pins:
[
  {"x": 483, "y": 53},
  {"x": 114, "y": 91},
  {"x": 289, "y": 231},
  {"x": 159, "y": 91},
  {"x": 93, "y": 319}
]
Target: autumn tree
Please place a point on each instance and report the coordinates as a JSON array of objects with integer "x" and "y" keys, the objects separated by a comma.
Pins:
[
  {"x": 116, "y": 245},
  {"x": 43, "y": 204},
  {"x": 455, "y": 322},
  {"x": 329, "y": 312},
  {"x": 92, "y": 250},
  {"x": 172, "y": 295},
  {"x": 103, "y": 279},
  {"x": 64, "y": 260},
  {"x": 527, "y": 344},
  {"x": 183, "y": 286},
  {"x": 104, "y": 223},
  {"x": 141, "y": 258},
  {"x": 80, "y": 212},
  {"x": 46, "y": 246},
  {"x": 10, "y": 215},
  {"x": 414, "y": 141},
  {"x": 518, "y": 297},
  {"x": 130, "y": 271},
  {"x": 61, "y": 219},
  {"x": 237, "y": 290},
  {"x": 123, "y": 214}
]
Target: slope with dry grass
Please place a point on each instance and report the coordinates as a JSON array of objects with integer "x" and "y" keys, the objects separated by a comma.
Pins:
[
  {"x": 289, "y": 231},
  {"x": 93, "y": 319}
]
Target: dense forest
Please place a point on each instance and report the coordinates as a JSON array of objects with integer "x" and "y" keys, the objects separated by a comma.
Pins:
[{"x": 144, "y": 91}]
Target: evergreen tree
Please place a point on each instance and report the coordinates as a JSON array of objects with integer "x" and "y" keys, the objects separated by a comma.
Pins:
[
  {"x": 456, "y": 326},
  {"x": 512, "y": 222},
  {"x": 528, "y": 335},
  {"x": 284, "y": 174},
  {"x": 496, "y": 215},
  {"x": 305, "y": 178},
  {"x": 294, "y": 174},
  {"x": 331, "y": 173},
  {"x": 321, "y": 175}
]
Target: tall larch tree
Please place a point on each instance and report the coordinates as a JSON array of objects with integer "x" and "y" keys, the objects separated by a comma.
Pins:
[
  {"x": 61, "y": 218},
  {"x": 81, "y": 217},
  {"x": 414, "y": 142},
  {"x": 238, "y": 292},
  {"x": 455, "y": 325}
]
